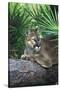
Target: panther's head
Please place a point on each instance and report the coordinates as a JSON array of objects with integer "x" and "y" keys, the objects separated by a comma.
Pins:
[{"x": 33, "y": 41}]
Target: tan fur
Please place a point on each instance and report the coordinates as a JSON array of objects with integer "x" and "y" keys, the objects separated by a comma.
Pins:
[{"x": 46, "y": 57}]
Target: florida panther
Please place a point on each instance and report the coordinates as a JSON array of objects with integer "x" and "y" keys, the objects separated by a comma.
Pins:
[{"x": 39, "y": 50}]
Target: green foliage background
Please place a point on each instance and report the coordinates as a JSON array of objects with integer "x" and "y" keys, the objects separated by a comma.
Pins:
[{"x": 22, "y": 17}]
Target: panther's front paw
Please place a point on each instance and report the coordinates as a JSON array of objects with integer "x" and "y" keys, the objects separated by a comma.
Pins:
[{"x": 25, "y": 57}]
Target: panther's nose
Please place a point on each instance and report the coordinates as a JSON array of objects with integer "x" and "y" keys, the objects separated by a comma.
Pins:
[{"x": 38, "y": 44}]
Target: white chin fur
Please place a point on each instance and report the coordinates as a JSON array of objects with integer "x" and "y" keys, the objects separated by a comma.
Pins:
[{"x": 37, "y": 49}]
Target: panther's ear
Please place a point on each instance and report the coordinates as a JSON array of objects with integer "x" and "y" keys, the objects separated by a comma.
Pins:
[
  {"x": 28, "y": 32},
  {"x": 36, "y": 29}
]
